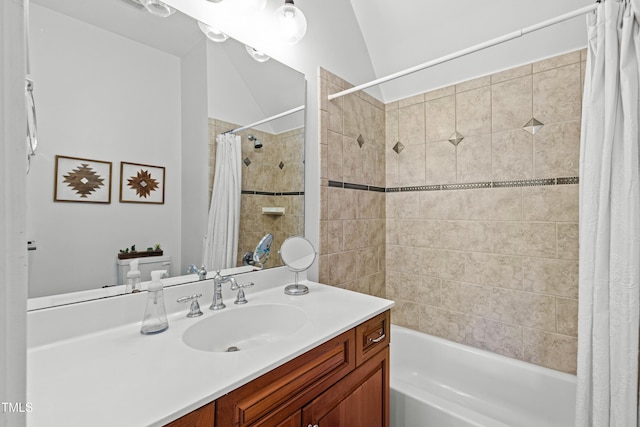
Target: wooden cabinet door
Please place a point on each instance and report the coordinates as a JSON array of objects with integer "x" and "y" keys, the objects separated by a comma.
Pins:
[{"x": 361, "y": 399}]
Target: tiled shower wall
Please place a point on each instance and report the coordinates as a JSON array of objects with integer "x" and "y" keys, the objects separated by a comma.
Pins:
[
  {"x": 492, "y": 264},
  {"x": 277, "y": 167},
  {"x": 352, "y": 217},
  {"x": 478, "y": 241}
]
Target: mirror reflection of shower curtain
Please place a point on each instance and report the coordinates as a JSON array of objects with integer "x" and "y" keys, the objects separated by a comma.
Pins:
[{"x": 221, "y": 241}]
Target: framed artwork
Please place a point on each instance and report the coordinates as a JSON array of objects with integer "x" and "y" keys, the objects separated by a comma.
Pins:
[
  {"x": 141, "y": 183},
  {"x": 82, "y": 180}
]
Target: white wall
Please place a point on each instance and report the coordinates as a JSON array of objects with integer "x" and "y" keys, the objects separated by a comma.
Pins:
[
  {"x": 225, "y": 84},
  {"x": 13, "y": 272},
  {"x": 99, "y": 96},
  {"x": 195, "y": 155}
]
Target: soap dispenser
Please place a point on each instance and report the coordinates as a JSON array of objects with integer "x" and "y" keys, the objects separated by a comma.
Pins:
[
  {"x": 133, "y": 277},
  {"x": 155, "y": 314}
]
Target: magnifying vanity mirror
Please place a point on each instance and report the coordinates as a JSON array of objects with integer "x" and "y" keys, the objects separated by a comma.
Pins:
[
  {"x": 297, "y": 254},
  {"x": 116, "y": 86},
  {"x": 261, "y": 253}
]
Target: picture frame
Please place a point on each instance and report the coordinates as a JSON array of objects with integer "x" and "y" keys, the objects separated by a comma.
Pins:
[
  {"x": 82, "y": 180},
  {"x": 141, "y": 183}
]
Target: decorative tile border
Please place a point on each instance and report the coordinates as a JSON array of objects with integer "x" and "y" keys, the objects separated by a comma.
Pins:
[
  {"x": 461, "y": 186},
  {"x": 266, "y": 193}
]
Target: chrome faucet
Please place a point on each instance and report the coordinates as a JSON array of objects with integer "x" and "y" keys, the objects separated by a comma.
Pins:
[
  {"x": 218, "y": 280},
  {"x": 202, "y": 273}
]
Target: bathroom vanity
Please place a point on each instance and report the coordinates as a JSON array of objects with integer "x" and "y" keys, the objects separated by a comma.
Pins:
[
  {"x": 343, "y": 382},
  {"x": 327, "y": 362}
]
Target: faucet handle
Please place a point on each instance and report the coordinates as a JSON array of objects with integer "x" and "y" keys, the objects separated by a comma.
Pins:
[
  {"x": 194, "y": 310},
  {"x": 202, "y": 273},
  {"x": 240, "y": 299}
]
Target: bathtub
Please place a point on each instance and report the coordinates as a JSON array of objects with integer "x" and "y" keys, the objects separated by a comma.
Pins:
[{"x": 439, "y": 383}]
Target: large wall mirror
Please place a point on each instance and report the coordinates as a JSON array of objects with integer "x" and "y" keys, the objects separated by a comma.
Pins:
[{"x": 119, "y": 93}]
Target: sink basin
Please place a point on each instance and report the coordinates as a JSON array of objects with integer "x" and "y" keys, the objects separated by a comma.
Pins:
[{"x": 244, "y": 328}]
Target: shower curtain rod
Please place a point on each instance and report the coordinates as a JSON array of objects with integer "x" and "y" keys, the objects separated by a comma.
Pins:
[
  {"x": 467, "y": 51},
  {"x": 268, "y": 119}
]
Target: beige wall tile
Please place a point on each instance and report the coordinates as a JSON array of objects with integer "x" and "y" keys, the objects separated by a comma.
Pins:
[
  {"x": 323, "y": 269},
  {"x": 472, "y": 236},
  {"x": 335, "y": 237},
  {"x": 334, "y": 156},
  {"x": 420, "y": 233},
  {"x": 472, "y": 330},
  {"x": 523, "y": 308},
  {"x": 342, "y": 267},
  {"x": 511, "y": 103},
  {"x": 551, "y": 276},
  {"x": 494, "y": 270},
  {"x": 444, "y": 324},
  {"x": 568, "y": 241},
  {"x": 441, "y": 204},
  {"x": 355, "y": 116},
  {"x": 512, "y": 155},
  {"x": 351, "y": 160},
  {"x": 440, "y": 118},
  {"x": 411, "y": 125},
  {"x": 369, "y": 205},
  {"x": 324, "y": 203},
  {"x": 411, "y": 287},
  {"x": 556, "y": 61},
  {"x": 392, "y": 229},
  {"x": 512, "y": 73},
  {"x": 440, "y": 163},
  {"x": 473, "y": 84},
  {"x": 466, "y": 298},
  {"x": 335, "y": 108},
  {"x": 412, "y": 165},
  {"x": 550, "y": 203},
  {"x": 495, "y": 204},
  {"x": 402, "y": 205},
  {"x": 439, "y": 93},
  {"x": 557, "y": 150},
  {"x": 473, "y": 111},
  {"x": 567, "y": 312},
  {"x": 355, "y": 234},
  {"x": 474, "y": 159},
  {"x": 340, "y": 204},
  {"x": 324, "y": 245},
  {"x": 367, "y": 262},
  {"x": 416, "y": 99},
  {"x": 406, "y": 313},
  {"x": 557, "y": 94},
  {"x": 376, "y": 285},
  {"x": 525, "y": 238},
  {"x": 494, "y": 336},
  {"x": 551, "y": 350}
]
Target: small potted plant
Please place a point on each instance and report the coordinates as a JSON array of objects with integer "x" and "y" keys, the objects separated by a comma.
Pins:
[{"x": 131, "y": 252}]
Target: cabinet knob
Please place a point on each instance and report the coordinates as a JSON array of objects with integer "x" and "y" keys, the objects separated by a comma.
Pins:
[{"x": 315, "y": 425}]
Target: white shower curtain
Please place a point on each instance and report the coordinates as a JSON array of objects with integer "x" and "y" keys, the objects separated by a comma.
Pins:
[
  {"x": 221, "y": 240},
  {"x": 607, "y": 393}
]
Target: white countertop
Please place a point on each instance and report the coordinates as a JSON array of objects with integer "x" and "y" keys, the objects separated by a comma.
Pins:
[{"x": 88, "y": 364}]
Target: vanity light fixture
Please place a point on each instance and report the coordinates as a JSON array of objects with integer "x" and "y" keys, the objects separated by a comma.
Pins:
[
  {"x": 292, "y": 23},
  {"x": 215, "y": 1},
  {"x": 212, "y": 34},
  {"x": 257, "y": 55},
  {"x": 158, "y": 8}
]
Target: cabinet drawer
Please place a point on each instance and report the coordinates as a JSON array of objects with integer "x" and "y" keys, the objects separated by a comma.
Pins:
[
  {"x": 289, "y": 386},
  {"x": 372, "y": 336}
]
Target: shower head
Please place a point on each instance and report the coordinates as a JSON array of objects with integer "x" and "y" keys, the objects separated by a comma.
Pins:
[{"x": 256, "y": 141}]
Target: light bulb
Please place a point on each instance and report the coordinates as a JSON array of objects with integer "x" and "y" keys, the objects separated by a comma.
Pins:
[
  {"x": 292, "y": 24},
  {"x": 212, "y": 33},
  {"x": 257, "y": 55},
  {"x": 158, "y": 8}
]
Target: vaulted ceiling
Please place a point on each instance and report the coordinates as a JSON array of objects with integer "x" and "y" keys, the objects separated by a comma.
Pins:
[{"x": 366, "y": 39}]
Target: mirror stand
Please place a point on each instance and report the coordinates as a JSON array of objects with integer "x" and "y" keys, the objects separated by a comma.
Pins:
[
  {"x": 297, "y": 254},
  {"x": 296, "y": 288}
]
